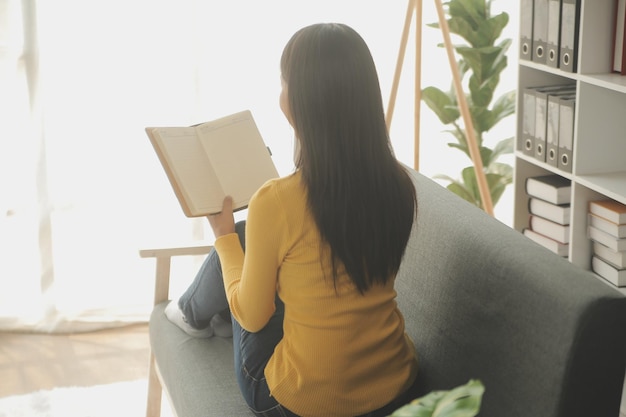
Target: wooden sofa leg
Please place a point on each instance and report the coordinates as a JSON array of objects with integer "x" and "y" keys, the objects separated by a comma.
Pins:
[{"x": 153, "y": 408}]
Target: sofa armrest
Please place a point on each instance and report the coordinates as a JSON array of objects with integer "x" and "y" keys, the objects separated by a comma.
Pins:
[{"x": 163, "y": 256}]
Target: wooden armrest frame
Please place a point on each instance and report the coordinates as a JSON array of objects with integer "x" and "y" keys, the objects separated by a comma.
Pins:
[{"x": 163, "y": 258}]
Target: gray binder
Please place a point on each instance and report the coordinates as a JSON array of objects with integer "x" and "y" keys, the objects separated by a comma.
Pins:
[
  {"x": 526, "y": 30},
  {"x": 540, "y": 31},
  {"x": 552, "y": 131},
  {"x": 567, "y": 105},
  {"x": 527, "y": 143},
  {"x": 570, "y": 22},
  {"x": 541, "y": 116},
  {"x": 554, "y": 33}
]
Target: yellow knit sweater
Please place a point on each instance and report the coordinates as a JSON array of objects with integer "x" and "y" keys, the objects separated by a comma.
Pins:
[{"x": 342, "y": 353}]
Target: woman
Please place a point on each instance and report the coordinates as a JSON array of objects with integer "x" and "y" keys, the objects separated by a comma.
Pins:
[{"x": 316, "y": 330}]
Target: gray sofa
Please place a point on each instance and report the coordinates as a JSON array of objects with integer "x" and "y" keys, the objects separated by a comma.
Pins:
[{"x": 481, "y": 301}]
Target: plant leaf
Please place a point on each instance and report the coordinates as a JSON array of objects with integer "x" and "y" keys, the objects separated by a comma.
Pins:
[
  {"x": 483, "y": 60},
  {"x": 486, "y": 156},
  {"x": 457, "y": 187},
  {"x": 504, "y": 106},
  {"x": 441, "y": 104},
  {"x": 443, "y": 177},
  {"x": 504, "y": 147},
  {"x": 473, "y": 22},
  {"x": 462, "y": 191},
  {"x": 462, "y": 401},
  {"x": 505, "y": 171},
  {"x": 483, "y": 118},
  {"x": 497, "y": 186},
  {"x": 471, "y": 184}
]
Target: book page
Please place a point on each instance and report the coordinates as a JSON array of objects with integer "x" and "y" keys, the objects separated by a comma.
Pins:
[
  {"x": 190, "y": 172},
  {"x": 238, "y": 155}
]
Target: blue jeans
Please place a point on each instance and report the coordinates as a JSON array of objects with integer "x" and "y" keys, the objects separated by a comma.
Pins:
[
  {"x": 252, "y": 352},
  {"x": 206, "y": 297}
]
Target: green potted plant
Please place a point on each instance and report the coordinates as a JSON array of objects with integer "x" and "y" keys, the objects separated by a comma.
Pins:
[
  {"x": 480, "y": 65},
  {"x": 462, "y": 401}
]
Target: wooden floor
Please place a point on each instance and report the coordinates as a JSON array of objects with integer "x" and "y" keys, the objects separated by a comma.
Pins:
[{"x": 31, "y": 362}]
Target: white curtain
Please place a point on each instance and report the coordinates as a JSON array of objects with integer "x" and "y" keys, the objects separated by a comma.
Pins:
[{"x": 81, "y": 189}]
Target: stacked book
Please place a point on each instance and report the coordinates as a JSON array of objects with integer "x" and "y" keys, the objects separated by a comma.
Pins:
[
  {"x": 607, "y": 231},
  {"x": 549, "y": 208}
]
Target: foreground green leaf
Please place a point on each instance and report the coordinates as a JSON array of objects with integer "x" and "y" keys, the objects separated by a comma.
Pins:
[{"x": 462, "y": 401}]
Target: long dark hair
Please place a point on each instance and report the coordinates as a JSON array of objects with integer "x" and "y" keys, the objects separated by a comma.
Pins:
[{"x": 362, "y": 199}]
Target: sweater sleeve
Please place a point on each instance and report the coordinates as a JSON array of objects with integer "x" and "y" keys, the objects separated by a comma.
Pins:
[{"x": 250, "y": 280}]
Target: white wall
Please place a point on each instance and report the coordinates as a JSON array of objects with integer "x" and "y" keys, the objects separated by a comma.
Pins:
[{"x": 246, "y": 71}]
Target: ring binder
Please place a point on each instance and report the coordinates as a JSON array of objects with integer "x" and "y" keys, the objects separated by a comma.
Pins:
[
  {"x": 526, "y": 30},
  {"x": 619, "y": 38},
  {"x": 540, "y": 31},
  {"x": 566, "y": 132},
  {"x": 527, "y": 144},
  {"x": 553, "y": 42},
  {"x": 552, "y": 131},
  {"x": 570, "y": 22},
  {"x": 541, "y": 115}
]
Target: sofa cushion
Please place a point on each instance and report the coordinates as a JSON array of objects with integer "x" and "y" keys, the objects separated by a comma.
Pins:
[{"x": 199, "y": 373}]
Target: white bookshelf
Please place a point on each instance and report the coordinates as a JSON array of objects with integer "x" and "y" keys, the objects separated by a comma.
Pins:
[{"x": 599, "y": 146}]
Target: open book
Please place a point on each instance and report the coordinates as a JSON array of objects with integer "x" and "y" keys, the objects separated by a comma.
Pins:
[{"x": 206, "y": 162}]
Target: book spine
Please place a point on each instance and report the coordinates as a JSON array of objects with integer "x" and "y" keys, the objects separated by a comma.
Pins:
[
  {"x": 615, "y": 258},
  {"x": 610, "y": 210},
  {"x": 615, "y": 276}
]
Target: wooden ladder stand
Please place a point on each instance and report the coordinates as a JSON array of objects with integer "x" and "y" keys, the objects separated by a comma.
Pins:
[{"x": 416, "y": 6}]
